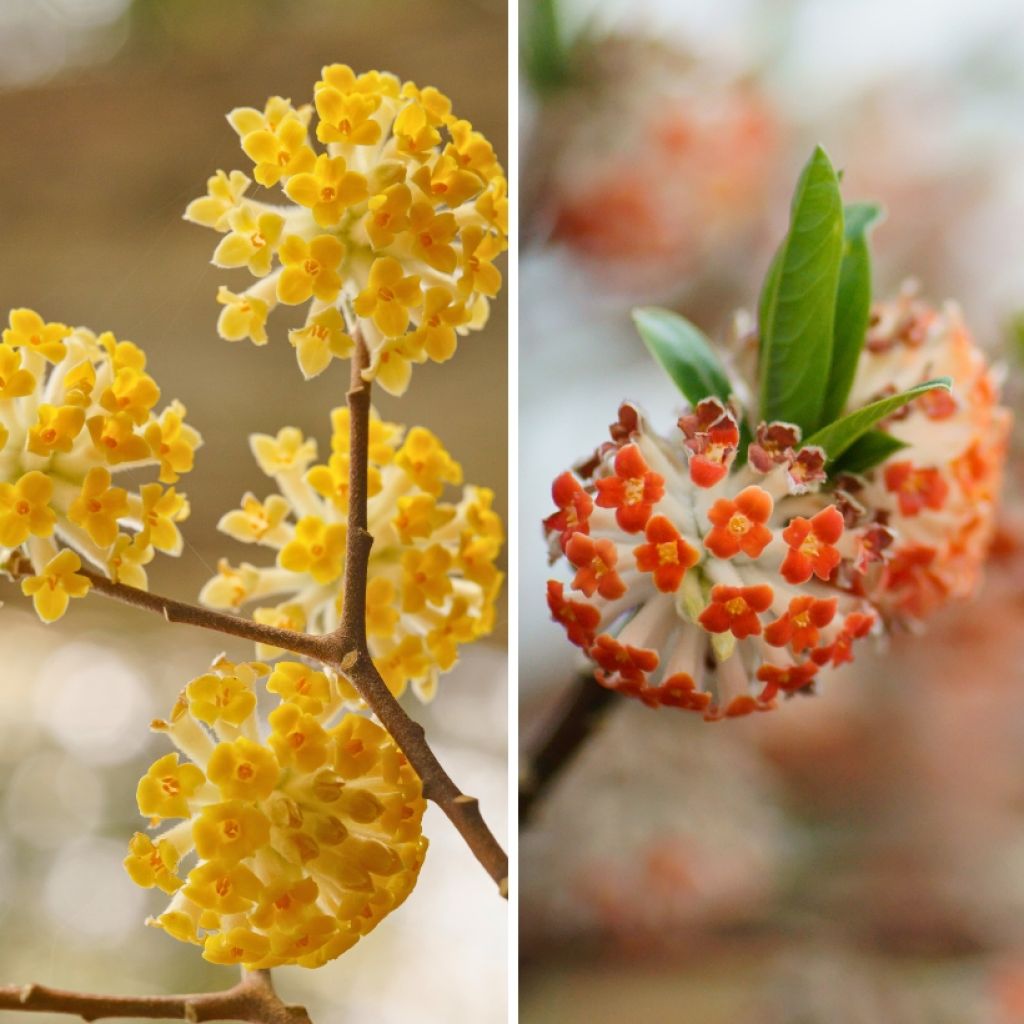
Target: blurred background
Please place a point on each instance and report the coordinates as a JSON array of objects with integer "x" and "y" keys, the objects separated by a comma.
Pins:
[
  {"x": 859, "y": 856},
  {"x": 114, "y": 118}
]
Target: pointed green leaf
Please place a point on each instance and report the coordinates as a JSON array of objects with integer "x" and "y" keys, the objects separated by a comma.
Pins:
[
  {"x": 798, "y": 304},
  {"x": 837, "y": 437},
  {"x": 545, "y": 51},
  {"x": 683, "y": 352},
  {"x": 853, "y": 306},
  {"x": 867, "y": 452}
]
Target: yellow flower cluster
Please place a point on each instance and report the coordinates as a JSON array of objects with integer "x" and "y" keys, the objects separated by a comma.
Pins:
[
  {"x": 392, "y": 227},
  {"x": 432, "y": 581},
  {"x": 304, "y": 840},
  {"x": 75, "y": 410}
]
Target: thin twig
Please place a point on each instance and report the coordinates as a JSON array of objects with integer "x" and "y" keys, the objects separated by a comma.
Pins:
[
  {"x": 252, "y": 1000},
  {"x": 579, "y": 715}
]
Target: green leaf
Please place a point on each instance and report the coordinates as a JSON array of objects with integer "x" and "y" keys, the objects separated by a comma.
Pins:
[
  {"x": 837, "y": 437},
  {"x": 867, "y": 452},
  {"x": 798, "y": 303},
  {"x": 853, "y": 306},
  {"x": 545, "y": 49},
  {"x": 683, "y": 352}
]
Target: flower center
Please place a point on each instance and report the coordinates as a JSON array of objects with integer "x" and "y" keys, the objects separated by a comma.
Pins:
[
  {"x": 802, "y": 620},
  {"x": 170, "y": 785},
  {"x": 811, "y": 546},
  {"x": 311, "y": 267},
  {"x": 668, "y": 553},
  {"x": 634, "y": 490},
  {"x": 245, "y": 771},
  {"x": 257, "y": 239},
  {"x": 385, "y": 294},
  {"x": 35, "y": 341},
  {"x": 223, "y": 885},
  {"x": 95, "y": 505},
  {"x": 426, "y": 240},
  {"x": 739, "y": 524},
  {"x": 327, "y": 194},
  {"x": 22, "y": 508},
  {"x": 737, "y": 606},
  {"x": 598, "y": 567},
  {"x": 230, "y": 829}
]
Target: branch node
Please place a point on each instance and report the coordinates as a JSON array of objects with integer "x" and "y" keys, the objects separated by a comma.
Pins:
[
  {"x": 26, "y": 993},
  {"x": 463, "y": 798},
  {"x": 191, "y": 1013},
  {"x": 348, "y": 661},
  {"x": 503, "y": 887}
]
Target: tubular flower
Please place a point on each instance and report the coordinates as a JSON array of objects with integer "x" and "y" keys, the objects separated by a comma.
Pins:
[
  {"x": 75, "y": 411},
  {"x": 431, "y": 583},
  {"x": 300, "y": 838},
  {"x": 393, "y": 211},
  {"x": 759, "y": 574}
]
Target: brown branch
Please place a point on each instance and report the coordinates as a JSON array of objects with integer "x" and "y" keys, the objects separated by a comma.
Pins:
[
  {"x": 347, "y": 649},
  {"x": 579, "y": 715},
  {"x": 252, "y": 1000}
]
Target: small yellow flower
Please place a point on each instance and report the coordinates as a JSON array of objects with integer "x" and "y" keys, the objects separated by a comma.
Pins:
[
  {"x": 127, "y": 560},
  {"x": 346, "y": 117},
  {"x": 115, "y": 438},
  {"x": 415, "y": 132},
  {"x": 221, "y": 696},
  {"x": 251, "y": 242},
  {"x": 165, "y": 790},
  {"x": 297, "y": 738},
  {"x": 454, "y": 629},
  {"x": 403, "y": 661},
  {"x": 56, "y": 429},
  {"x": 306, "y": 688},
  {"x": 52, "y": 588},
  {"x": 161, "y": 510},
  {"x": 392, "y": 363},
  {"x": 441, "y": 317},
  {"x": 279, "y": 152},
  {"x": 243, "y": 316},
  {"x": 318, "y": 548},
  {"x": 242, "y": 770},
  {"x": 222, "y": 887},
  {"x": 388, "y": 296},
  {"x": 479, "y": 274},
  {"x": 230, "y": 831},
  {"x": 133, "y": 392},
  {"x": 99, "y": 506},
  {"x": 257, "y": 522},
  {"x": 231, "y": 587},
  {"x": 25, "y": 509},
  {"x": 288, "y": 451},
  {"x": 425, "y": 577},
  {"x": 322, "y": 339},
  {"x": 424, "y": 458},
  {"x": 173, "y": 443},
  {"x": 78, "y": 384},
  {"x": 236, "y": 946},
  {"x": 28, "y": 329},
  {"x": 432, "y": 235},
  {"x": 388, "y": 215},
  {"x": 419, "y": 516},
  {"x": 310, "y": 268},
  {"x": 328, "y": 190},
  {"x": 277, "y": 109},
  {"x": 382, "y": 442},
  {"x": 151, "y": 865},
  {"x": 15, "y": 382},
  {"x": 444, "y": 181},
  {"x": 224, "y": 194}
]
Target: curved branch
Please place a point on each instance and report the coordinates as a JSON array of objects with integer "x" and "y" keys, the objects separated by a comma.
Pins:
[{"x": 252, "y": 1000}]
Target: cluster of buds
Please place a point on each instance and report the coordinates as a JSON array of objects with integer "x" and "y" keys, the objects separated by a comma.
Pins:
[
  {"x": 392, "y": 228},
  {"x": 304, "y": 839},
  {"x": 714, "y": 582},
  {"x": 75, "y": 411},
  {"x": 431, "y": 579}
]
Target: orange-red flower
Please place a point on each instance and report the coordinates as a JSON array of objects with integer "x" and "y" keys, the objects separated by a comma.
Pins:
[
  {"x": 916, "y": 488},
  {"x": 787, "y": 678},
  {"x": 799, "y": 626},
  {"x": 579, "y": 618},
  {"x": 811, "y": 551},
  {"x": 595, "y": 563},
  {"x": 665, "y": 554},
  {"x": 856, "y": 626},
  {"x": 632, "y": 491},
  {"x": 736, "y": 609},
  {"x": 574, "y": 508},
  {"x": 625, "y": 660},
  {"x": 738, "y": 524},
  {"x": 712, "y": 439}
]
